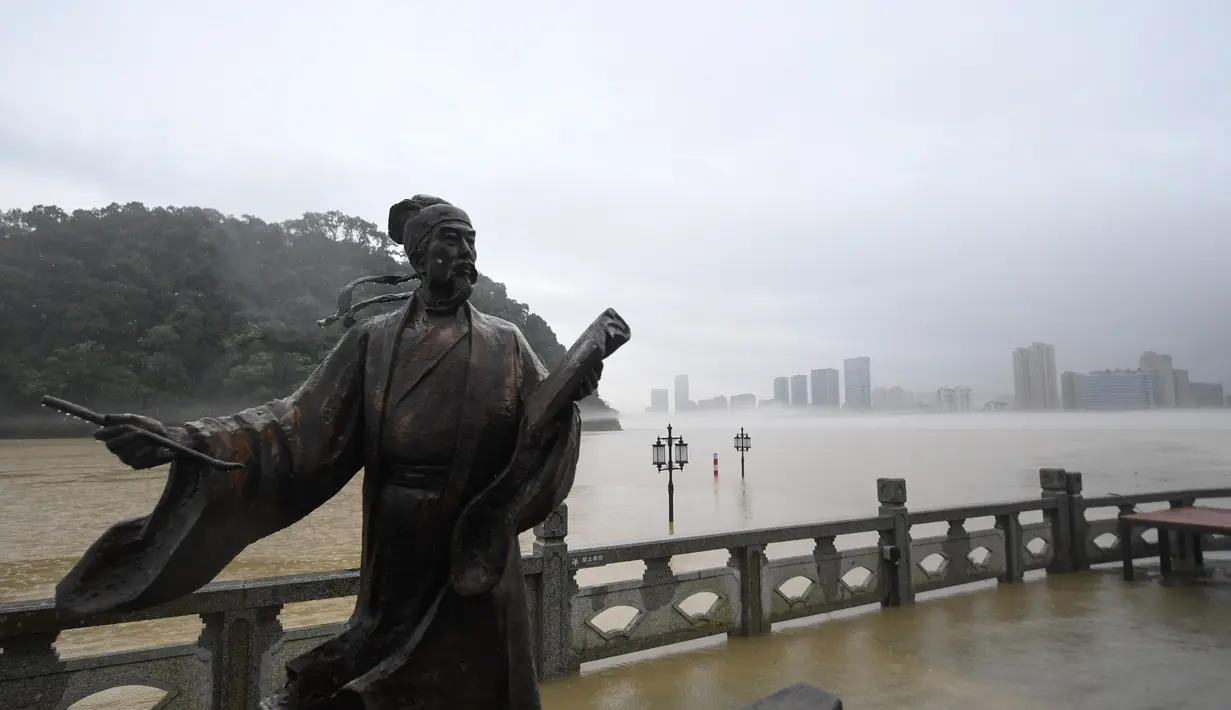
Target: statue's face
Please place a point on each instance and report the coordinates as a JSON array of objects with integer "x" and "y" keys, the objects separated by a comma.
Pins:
[{"x": 448, "y": 258}]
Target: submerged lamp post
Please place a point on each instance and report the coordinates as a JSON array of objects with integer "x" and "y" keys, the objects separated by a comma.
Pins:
[
  {"x": 743, "y": 443},
  {"x": 670, "y": 453}
]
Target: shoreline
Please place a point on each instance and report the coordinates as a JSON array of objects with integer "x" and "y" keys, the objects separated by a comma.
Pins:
[{"x": 62, "y": 427}]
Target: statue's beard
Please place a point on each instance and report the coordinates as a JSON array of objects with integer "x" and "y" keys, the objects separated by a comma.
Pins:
[{"x": 450, "y": 293}]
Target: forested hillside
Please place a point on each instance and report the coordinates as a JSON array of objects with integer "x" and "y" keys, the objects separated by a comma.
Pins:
[{"x": 184, "y": 309}]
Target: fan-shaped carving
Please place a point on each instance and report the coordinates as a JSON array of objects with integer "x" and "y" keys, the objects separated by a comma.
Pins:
[
  {"x": 934, "y": 565},
  {"x": 980, "y": 558},
  {"x": 615, "y": 621},
  {"x": 698, "y": 606},
  {"x": 1107, "y": 541},
  {"x": 857, "y": 580},
  {"x": 795, "y": 589},
  {"x": 137, "y": 697}
]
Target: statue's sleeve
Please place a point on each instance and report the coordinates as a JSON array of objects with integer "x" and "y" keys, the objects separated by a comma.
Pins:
[
  {"x": 522, "y": 496},
  {"x": 297, "y": 453},
  {"x": 549, "y": 486}
]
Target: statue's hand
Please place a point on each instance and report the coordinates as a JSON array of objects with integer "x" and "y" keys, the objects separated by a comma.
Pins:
[
  {"x": 132, "y": 447},
  {"x": 590, "y": 385}
]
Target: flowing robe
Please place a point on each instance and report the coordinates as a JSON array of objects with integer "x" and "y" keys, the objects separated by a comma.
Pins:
[{"x": 432, "y": 415}]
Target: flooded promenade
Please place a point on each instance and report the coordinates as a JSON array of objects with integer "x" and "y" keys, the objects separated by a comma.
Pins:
[{"x": 799, "y": 471}]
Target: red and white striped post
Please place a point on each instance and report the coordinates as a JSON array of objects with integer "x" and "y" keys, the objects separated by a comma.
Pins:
[{"x": 715, "y": 465}]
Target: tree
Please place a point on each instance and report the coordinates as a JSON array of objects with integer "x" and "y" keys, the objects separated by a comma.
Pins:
[{"x": 167, "y": 309}]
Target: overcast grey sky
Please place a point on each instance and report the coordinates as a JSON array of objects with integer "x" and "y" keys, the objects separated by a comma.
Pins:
[{"x": 759, "y": 188}]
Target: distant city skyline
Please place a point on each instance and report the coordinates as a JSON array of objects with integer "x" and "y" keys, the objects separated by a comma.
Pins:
[
  {"x": 1155, "y": 383},
  {"x": 1035, "y": 383}
]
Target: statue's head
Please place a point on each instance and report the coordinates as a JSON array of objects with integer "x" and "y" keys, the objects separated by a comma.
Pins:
[{"x": 439, "y": 243}]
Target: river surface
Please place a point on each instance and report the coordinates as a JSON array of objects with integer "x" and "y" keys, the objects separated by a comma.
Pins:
[{"x": 57, "y": 496}]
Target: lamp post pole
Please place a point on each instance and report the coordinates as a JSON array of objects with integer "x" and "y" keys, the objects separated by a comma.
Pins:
[
  {"x": 670, "y": 453},
  {"x": 743, "y": 443}
]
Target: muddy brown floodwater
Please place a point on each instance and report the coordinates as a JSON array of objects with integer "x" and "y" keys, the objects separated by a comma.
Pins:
[{"x": 1081, "y": 641}]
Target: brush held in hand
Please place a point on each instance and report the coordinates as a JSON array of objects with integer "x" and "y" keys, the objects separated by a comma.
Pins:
[{"x": 105, "y": 420}]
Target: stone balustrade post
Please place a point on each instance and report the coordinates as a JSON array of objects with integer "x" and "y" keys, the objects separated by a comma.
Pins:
[
  {"x": 1079, "y": 527},
  {"x": 1054, "y": 482},
  {"x": 1181, "y": 549},
  {"x": 1126, "y": 509},
  {"x": 237, "y": 641},
  {"x": 1010, "y": 526},
  {"x": 752, "y": 617},
  {"x": 31, "y": 672},
  {"x": 555, "y": 598},
  {"x": 896, "y": 563}
]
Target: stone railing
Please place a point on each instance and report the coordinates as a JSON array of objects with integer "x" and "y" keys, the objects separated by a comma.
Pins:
[{"x": 241, "y": 652}]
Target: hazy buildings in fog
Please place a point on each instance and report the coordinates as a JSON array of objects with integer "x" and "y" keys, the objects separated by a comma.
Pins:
[
  {"x": 953, "y": 399},
  {"x": 1034, "y": 380},
  {"x": 799, "y": 390},
  {"x": 857, "y": 373},
  {"x": 1034, "y": 377},
  {"x": 825, "y": 388},
  {"x": 1183, "y": 389},
  {"x": 782, "y": 390},
  {"x": 1157, "y": 362},
  {"x": 1119, "y": 390},
  {"x": 1071, "y": 390},
  {"x": 1207, "y": 394},
  {"x": 682, "y": 403}
]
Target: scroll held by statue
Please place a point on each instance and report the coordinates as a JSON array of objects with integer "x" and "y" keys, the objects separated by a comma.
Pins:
[{"x": 602, "y": 338}]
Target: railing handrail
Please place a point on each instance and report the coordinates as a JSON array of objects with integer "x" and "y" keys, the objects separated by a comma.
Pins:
[
  {"x": 1116, "y": 499},
  {"x": 689, "y": 544},
  {"x": 39, "y": 615},
  {"x": 924, "y": 516}
]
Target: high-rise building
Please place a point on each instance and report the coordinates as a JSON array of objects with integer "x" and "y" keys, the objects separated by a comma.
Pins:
[
  {"x": 712, "y": 404},
  {"x": 825, "y": 388},
  {"x": 1071, "y": 384},
  {"x": 1120, "y": 390},
  {"x": 658, "y": 401},
  {"x": 743, "y": 401},
  {"x": 1183, "y": 389},
  {"x": 857, "y": 372},
  {"x": 1207, "y": 394},
  {"x": 799, "y": 390},
  {"x": 782, "y": 390},
  {"x": 682, "y": 403},
  {"x": 1034, "y": 377},
  {"x": 953, "y": 399},
  {"x": 1156, "y": 362}
]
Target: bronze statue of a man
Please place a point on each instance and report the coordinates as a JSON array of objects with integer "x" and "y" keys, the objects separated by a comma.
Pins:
[{"x": 431, "y": 402}]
